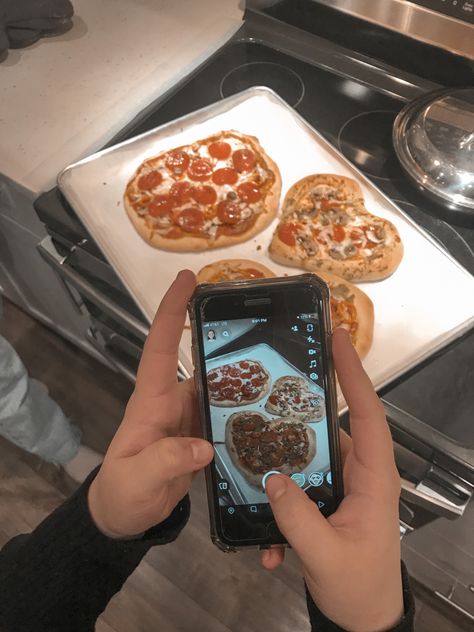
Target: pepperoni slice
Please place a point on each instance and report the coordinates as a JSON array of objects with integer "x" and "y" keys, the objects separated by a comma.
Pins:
[
  {"x": 228, "y": 212},
  {"x": 228, "y": 393},
  {"x": 204, "y": 194},
  {"x": 328, "y": 204},
  {"x": 219, "y": 150},
  {"x": 357, "y": 238},
  {"x": 235, "y": 229},
  {"x": 191, "y": 220},
  {"x": 174, "y": 233},
  {"x": 248, "y": 391},
  {"x": 200, "y": 169},
  {"x": 287, "y": 233},
  {"x": 249, "y": 192},
  {"x": 181, "y": 191},
  {"x": 150, "y": 180},
  {"x": 244, "y": 160},
  {"x": 226, "y": 175},
  {"x": 234, "y": 372},
  {"x": 160, "y": 205},
  {"x": 338, "y": 233},
  {"x": 177, "y": 161}
]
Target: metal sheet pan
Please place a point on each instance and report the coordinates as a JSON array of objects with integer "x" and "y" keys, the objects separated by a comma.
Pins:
[
  {"x": 426, "y": 303},
  {"x": 277, "y": 366}
]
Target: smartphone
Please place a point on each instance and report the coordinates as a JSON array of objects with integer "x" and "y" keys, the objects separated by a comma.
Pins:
[{"x": 267, "y": 396}]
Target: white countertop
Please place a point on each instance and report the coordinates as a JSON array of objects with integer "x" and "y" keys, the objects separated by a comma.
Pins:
[{"x": 65, "y": 97}]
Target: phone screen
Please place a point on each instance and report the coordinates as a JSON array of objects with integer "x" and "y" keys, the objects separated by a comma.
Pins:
[{"x": 267, "y": 407}]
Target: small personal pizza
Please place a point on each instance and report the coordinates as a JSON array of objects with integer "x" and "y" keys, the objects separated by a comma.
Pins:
[
  {"x": 257, "y": 445},
  {"x": 219, "y": 191},
  {"x": 325, "y": 226},
  {"x": 291, "y": 396},
  {"x": 351, "y": 309},
  {"x": 237, "y": 383},
  {"x": 233, "y": 270}
]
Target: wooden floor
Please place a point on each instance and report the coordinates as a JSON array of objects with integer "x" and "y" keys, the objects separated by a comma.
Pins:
[{"x": 185, "y": 586}]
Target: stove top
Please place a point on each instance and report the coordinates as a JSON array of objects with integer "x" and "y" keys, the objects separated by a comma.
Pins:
[
  {"x": 344, "y": 104},
  {"x": 355, "y": 118}
]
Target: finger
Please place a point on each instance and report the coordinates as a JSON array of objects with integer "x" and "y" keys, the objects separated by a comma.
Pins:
[
  {"x": 168, "y": 459},
  {"x": 272, "y": 558},
  {"x": 159, "y": 362},
  {"x": 298, "y": 518},
  {"x": 371, "y": 439}
]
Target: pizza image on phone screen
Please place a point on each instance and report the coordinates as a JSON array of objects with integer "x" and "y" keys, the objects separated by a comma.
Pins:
[{"x": 267, "y": 404}]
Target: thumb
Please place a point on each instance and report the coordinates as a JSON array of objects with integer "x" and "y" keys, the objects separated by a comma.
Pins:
[
  {"x": 172, "y": 457},
  {"x": 298, "y": 518}
]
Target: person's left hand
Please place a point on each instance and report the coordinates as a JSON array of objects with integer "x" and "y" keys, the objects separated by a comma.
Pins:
[{"x": 151, "y": 461}]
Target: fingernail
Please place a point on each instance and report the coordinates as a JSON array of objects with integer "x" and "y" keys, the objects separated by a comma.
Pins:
[
  {"x": 275, "y": 487},
  {"x": 201, "y": 451},
  {"x": 339, "y": 331}
]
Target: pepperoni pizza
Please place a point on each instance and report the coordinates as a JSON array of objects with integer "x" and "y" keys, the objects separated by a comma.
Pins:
[
  {"x": 257, "y": 445},
  {"x": 218, "y": 191},
  {"x": 237, "y": 383}
]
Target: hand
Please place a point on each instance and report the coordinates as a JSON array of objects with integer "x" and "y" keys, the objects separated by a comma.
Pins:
[
  {"x": 150, "y": 463},
  {"x": 352, "y": 559}
]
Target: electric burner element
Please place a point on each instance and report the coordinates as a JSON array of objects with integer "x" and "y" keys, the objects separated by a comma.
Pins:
[
  {"x": 284, "y": 81},
  {"x": 444, "y": 234},
  {"x": 366, "y": 140}
]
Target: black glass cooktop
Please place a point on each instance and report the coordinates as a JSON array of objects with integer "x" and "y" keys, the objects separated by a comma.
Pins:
[{"x": 356, "y": 119}]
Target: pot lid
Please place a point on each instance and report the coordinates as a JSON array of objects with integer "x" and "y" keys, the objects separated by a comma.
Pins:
[{"x": 433, "y": 137}]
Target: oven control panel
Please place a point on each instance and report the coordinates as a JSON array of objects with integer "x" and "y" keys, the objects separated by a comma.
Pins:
[{"x": 460, "y": 9}]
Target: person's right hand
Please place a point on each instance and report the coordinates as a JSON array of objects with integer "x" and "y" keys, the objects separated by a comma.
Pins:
[{"x": 352, "y": 559}]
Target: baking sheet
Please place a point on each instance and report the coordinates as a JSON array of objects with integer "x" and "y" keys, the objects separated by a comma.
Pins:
[
  {"x": 277, "y": 366},
  {"x": 425, "y": 304}
]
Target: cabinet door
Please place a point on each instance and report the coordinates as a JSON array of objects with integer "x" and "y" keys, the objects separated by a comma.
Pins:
[{"x": 42, "y": 291}]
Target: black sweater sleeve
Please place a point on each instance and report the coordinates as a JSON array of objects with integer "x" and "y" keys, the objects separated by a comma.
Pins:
[
  {"x": 319, "y": 623},
  {"x": 61, "y": 576}
]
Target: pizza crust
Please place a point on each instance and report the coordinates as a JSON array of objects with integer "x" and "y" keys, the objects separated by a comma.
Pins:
[
  {"x": 256, "y": 479},
  {"x": 225, "y": 266},
  {"x": 227, "y": 403},
  {"x": 303, "y": 188},
  {"x": 364, "y": 308},
  {"x": 379, "y": 267},
  {"x": 303, "y": 385},
  {"x": 190, "y": 243}
]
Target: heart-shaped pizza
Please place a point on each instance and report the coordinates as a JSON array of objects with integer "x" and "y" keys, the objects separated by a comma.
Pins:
[
  {"x": 258, "y": 445},
  {"x": 325, "y": 226},
  {"x": 291, "y": 396}
]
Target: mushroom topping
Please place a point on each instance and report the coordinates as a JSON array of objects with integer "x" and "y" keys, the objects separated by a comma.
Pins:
[
  {"x": 336, "y": 254},
  {"x": 376, "y": 235},
  {"x": 350, "y": 250},
  {"x": 308, "y": 244}
]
